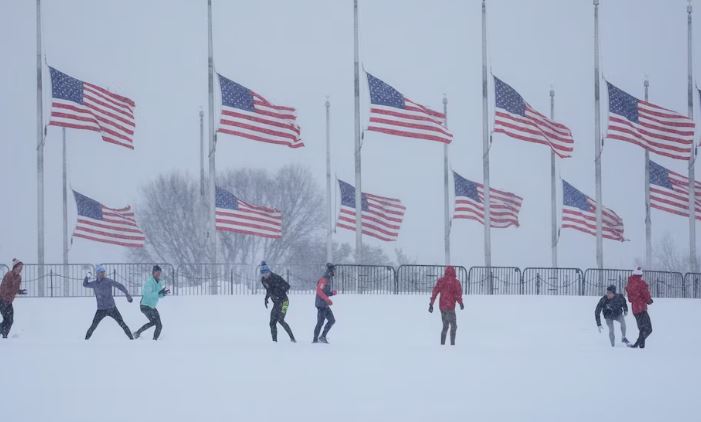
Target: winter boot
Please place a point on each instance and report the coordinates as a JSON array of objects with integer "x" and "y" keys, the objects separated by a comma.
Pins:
[
  {"x": 323, "y": 340},
  {"x": 625, "y": 341}
]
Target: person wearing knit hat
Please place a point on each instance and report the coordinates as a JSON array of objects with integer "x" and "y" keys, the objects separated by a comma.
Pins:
[
  {"x": 106, "y": 307},
  {"x": 615, "y": 308},
  {"x": 276, "y": 288},
  {"x": 153, "y": 291},
  {"x": 9, "y": 288},
  {"x": 639, "y": 298}
]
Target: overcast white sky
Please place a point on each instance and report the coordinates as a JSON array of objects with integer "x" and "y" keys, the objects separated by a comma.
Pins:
[{"x": 298, "y": 52}]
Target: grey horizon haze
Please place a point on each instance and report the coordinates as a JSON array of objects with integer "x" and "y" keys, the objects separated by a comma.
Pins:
[{"x": 298, "y": 53}]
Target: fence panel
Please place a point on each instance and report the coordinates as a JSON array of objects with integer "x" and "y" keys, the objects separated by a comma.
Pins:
[
  {"x": 665, "y": 284},
  {"x": 692, "y": 284},
  {"x": 494, "y": 280},
  {"x": 134, "y": 276},
  {"x": 213, "y": 279},
  {"x": 59, "y": 280},
  {"x": 597, "y": 280},
  {"x": 420, "y": 279},
  {"x": 552, "y": 281},
  {"x": 302, "y": 277},
  {"x": 364, "y": 279}
]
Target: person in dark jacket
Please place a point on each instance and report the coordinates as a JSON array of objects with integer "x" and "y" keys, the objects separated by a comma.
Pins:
[
  {"x": 615, "y": 308},
  {"x": 105, "y": 301},
  {"x": 450, "y": 290},
  {"x": 9, "y": 288},
  {"x": 151, "y": 293},
  {"x": 323, "y": 304},
  {"x": 639, "y": 297},
  {"x": 276, "y": 288}
]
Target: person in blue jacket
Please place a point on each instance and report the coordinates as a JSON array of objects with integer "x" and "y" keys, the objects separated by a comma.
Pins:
[
  {"x": 150, "y": 294},
  {"x": 105, "y": 301}
]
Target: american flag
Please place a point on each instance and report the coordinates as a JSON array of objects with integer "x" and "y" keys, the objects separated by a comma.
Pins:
[
  {"x": 516, "y": 118},
  {"x": 579, "y": 213},
  {"x": 237, "y": 216},
  {"x": 107, "y": 225},
  {"x": 381, "y": 216},
  {"x": 669, "y": 191},
  {"x": 469, "y": 203},
  {"x": 654, "y": 128},
  {"x": 393, "y": 114},
  {"x": 82, "y": 105},
  {"x": 249, "y": 115}
]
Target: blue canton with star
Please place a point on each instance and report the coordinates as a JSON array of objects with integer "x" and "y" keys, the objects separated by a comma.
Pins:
[
  {"x": 64, "y": 87},
  {"x": 508, "y": 99},
  {"x": 348, "y": 196},
  {"x": 659, "y": 176},
  {"x": 226, "y": 199},
  {"x": 87, "y": 207},
  {"x": 383, "y": 94},
  {"x": 623, "y": 104},
  {"x": 466, "y": 188},
  {"x": 574, "y": 198},
  {"x": 235, "y": 95}
]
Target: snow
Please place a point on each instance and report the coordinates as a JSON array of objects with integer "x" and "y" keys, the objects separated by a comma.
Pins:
[{"x": 518, "y": 359}]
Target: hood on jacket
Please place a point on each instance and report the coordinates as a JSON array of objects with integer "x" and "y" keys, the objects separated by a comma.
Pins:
[{"x": 449, "y": 272}]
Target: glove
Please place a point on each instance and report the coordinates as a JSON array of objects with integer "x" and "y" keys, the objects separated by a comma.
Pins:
[
  {"x": 266, "y": 303},
  {"x": 330, "y": 302},
  {"x": 598, "y": 327},
  {"x": 625, "y": 313},
  {"x": 164, "y": 292},
  {"x": 430, "y": 308},
  {"x": 334, "y": 293},
  {"x": 462, "y": 306},
  {"x": 650, "y": 302},
  {"x": 22, "y": 291},
  {"x": 130, "y": 299},
  {"x": 86, "y": 279}
]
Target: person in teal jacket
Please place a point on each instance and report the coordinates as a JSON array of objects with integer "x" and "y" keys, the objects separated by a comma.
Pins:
[{"x": 151, "y": 293}]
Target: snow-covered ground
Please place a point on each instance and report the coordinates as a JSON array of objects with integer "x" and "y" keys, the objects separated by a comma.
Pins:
[{"x": 517, "y": 359}]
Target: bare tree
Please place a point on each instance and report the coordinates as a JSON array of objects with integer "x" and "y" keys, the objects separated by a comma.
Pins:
[
  {"x": 667, "y": 257},
  {"x": 173, "y": 217}
]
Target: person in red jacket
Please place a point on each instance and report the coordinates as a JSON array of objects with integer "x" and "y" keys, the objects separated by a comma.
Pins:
[
  {"x": 639, "y": 296},
  {"x": 9, "y": 288},
  {"x": 451, "y": 291}
]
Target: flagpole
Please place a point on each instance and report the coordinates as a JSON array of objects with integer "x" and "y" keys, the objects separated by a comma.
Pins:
[
  {"x": 40, "y": 159},
  {"x": 65, "y": 197},
  {"x": 446, "y": 194},
  {"x": 692, "y": 161},
  {"x": 485, "y": 145},
  {"x": 597, "y": 139},
  {"x": 648, "y": 217},
  {"x": 212, "y": 146},
  {"x": 329, "y": 206},
  {"x": 202, "y": 180},
  {"x": 358, "y": 178},
  {"x": 553, "y": 189}
]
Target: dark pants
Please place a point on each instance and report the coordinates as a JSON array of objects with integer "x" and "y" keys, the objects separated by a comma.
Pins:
[
  {"x": 8, "y": 317},
  {"x": 449, "y": 320},
  {"x": 154, "y": 318},
  {"x": 277, "y": 316},
  {"x": 323, "y": 314},
  {"x": 644, "y": 328},
  {"x": 100, "y": 314}
]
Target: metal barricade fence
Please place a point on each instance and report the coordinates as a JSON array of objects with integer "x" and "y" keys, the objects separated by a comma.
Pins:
[
  {"x": 420, "y": 279},
  {"x": 494, "y": 280},
  {"x": 692, "y": 284},
  {"x": 552, "y": 281},
  {"x": 665, "y": 284},
  {"x": 213, "y": 279},
  {"x": 134, "y": 276},
  {"x": 597, "y": 280},
  {"x": 365, "y": 279},
  {"x": 301, "y": 277},
  {"x": 59, "y": 280}
]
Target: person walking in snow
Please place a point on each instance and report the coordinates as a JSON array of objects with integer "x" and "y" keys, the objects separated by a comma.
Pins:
[
  {"x": 152, "y": 291},
  {"x": 276, "y": 288},
  {"x": 9, "y": 288},
  {"x": 323, "y": 304},
  {"x": 105, "y": 301},
  {"x": 639, "y": 297},
  {"x": 450, "y": 290},
  {"x": 615, "y": 308}
]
